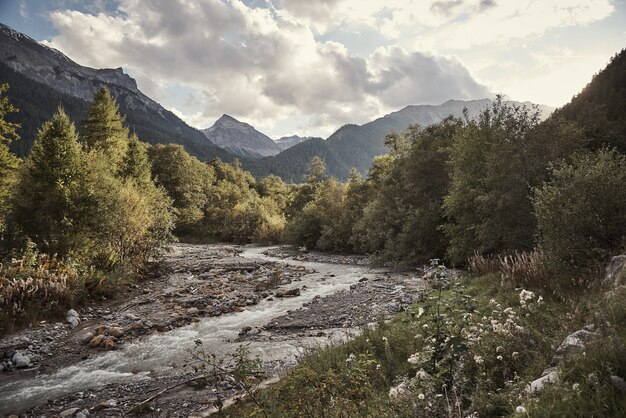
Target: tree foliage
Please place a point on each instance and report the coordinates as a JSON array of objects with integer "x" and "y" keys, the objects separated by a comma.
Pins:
[{"x": 582, "y": 210}]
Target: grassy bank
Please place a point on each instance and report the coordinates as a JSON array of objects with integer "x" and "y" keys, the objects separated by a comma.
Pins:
[{"x": 469, "y": 347}]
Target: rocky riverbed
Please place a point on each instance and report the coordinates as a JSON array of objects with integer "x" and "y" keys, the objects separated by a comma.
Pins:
[{"x": 107, "y": 359}]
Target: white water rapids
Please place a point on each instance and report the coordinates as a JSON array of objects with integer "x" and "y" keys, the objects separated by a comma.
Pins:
[{"x": 163, "y": 352}]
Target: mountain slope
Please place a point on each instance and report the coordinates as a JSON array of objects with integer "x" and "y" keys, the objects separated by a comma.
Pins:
[
  {"x": 357, "y": 145},
  {"x": 240, "y": 139},
  {"x": 600, "y": 108},
  {"x": 56, "y": 80},
  {"x": 289, "y": 141}
]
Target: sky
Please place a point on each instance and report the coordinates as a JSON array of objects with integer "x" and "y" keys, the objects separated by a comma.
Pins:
[{"x": 307, "y": 67}]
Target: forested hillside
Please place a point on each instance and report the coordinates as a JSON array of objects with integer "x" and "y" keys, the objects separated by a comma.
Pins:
[{"x": 600, "y": 108}]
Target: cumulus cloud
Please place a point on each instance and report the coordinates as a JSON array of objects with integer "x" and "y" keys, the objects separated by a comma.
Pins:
[{"x": 281, "y": 61}]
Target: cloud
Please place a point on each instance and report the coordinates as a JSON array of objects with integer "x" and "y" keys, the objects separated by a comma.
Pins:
[
  {"x": 445, "y": 7},
  {"x": 283, "y": 59},
  {"x": 254, "y": 63}
]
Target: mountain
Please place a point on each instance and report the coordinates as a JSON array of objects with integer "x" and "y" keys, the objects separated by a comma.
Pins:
[
  {"x": 357, "y": 145},
  {"x": 600, "y": 108},
  {"x": 42, "y": 78},
  {"x": 240, "y": 139},
  {"x": 289, "y": 141}
]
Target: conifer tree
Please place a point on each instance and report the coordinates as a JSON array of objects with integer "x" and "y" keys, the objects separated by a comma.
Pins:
[
  {"x": 8, "y": 161},
  {"x": 44, "y": 203},
  {"x": 104, "y": 129},
  {"x": 135, "y": 164}
]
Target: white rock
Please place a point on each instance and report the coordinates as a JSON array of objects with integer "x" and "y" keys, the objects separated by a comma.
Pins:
[
  {"x": 193, "y": 311},
  {"x": 73, "y": 321},
  {"x": 573, "y": 343},
  {"x": 20, "y": 360},
  {"x": 73, "y": 313},
  {"x": 540, "y": 384}
]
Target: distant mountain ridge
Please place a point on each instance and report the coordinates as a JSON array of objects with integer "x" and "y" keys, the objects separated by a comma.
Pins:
[
  {"x": 240, "y": 139},
  {"x": 44, "y": 78},
  {"x": 357, "y": 145},
  {"x": 290, "y": 141}
]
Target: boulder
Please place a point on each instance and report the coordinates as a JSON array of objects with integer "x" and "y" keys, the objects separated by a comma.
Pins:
[
  {"x": 540, "y": 384},
  {"x": 116, "y": 332},
  {"x": 96, "y": 341},
  {"x": 72, "y": 318},
  {"x": 573, "y": 344},
  {"x": 85, "y": 337},
  {"x": 20, "y": 360},
  {"x": 615, "y": 272}
]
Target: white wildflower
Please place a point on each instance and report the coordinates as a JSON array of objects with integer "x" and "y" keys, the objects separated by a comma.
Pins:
[
  {"x": 421, "y": 396},
  {"x": 520, "y": 410},
  {"x": 414, "y": 359},
  {"x": 350, "y": 358},
  {"x": 420, "y": 312},
  {"x": 525, "y": 296},
  {"x": 499, "y": 358},
  {"x": 478, "y": 359}
]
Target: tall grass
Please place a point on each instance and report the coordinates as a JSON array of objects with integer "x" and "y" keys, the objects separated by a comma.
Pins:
[
  {"x": 35, "y": 287},
  {"x": 519, "y": 268}
]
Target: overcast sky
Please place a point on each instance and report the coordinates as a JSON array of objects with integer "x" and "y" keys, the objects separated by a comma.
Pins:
[{"x": 307, "y": 67}]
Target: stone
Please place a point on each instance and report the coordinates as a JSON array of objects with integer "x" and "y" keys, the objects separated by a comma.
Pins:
[
  {"x": 96, "y": 341},
  {"x": 288, "y": 293},
  {"x": 73, "y": 321},
  {"x": 131, "y": 317},
  {"x": 101, "y": 329},
  {"x": 68, "y": 412},
  {"x": 108, "y": 343},
  {"x": 20, "y": 360},
  {"x": 116, "y": 332},
  {"x": 193, "y": 311},
  {"x": 73, "y": 313},
  {"x": 540, "y": 384},
  {"x": 85, "y": 337},
  {"x": 615, "y": 272},
  {"x": 573, "y": 344}
]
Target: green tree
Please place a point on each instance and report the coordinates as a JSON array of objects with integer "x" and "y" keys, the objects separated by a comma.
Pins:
[
  {"x": 136, "y": 164},
  {"x": 581, "y": 210},
  {"x": 8, "y": 161},
  {"x": 495, "y": 162},
  {"x": 44, "y": 206},
  {"x": 188, "y": 181},
  {"x": 104, "y": 129}
]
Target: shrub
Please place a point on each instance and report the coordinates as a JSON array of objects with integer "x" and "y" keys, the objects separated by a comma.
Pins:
[
  {"x": 581, "y": 210},
  {"x": 34, "y": 287}
]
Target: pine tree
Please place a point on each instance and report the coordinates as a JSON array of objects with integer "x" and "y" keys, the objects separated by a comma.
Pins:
[
  {"x": 135, "y": 164},
  {"x": 104, "y": 129},
  {"x": 8, "y": 161},
  {"x": 45, "y": 207}
]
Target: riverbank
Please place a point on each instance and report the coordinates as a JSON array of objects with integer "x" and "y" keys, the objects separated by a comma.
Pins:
[{"x": 123, "y": 352}]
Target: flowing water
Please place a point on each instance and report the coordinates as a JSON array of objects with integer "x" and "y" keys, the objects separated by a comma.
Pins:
[{"x": 163, "y": 353}]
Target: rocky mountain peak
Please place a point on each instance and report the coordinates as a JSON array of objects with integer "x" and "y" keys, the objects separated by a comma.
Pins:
[{"x": 240, "y": 138}]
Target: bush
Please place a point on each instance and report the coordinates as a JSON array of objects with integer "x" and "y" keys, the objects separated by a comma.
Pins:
[
  {"x": 581, "y": 211},
  {"x": 34, "y": 287}
]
